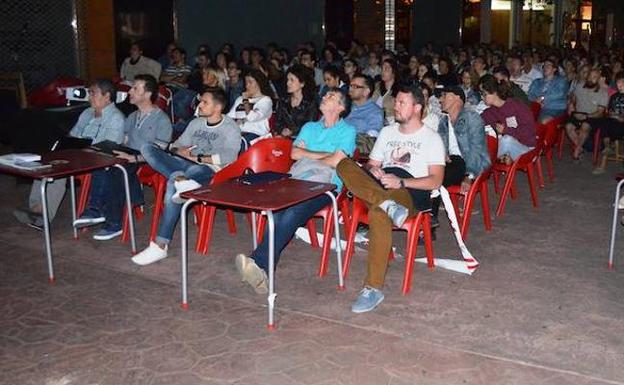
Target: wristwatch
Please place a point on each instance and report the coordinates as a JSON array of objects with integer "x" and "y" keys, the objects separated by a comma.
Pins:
[
  {"x": 199, "y": 158},
  {"x": 402, "y": 183}
]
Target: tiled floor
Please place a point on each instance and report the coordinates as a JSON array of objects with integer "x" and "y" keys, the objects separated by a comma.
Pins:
[{"x": 541, "y": 309}]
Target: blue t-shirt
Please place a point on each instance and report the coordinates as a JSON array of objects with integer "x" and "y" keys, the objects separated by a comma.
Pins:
[{"x": 318, "y": 138}]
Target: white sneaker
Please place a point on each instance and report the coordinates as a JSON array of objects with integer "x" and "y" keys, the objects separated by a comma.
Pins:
[
  {"x": 153, "y": 253},
  {"x": 182, "y": 186},
  {"x": 397, "y": 212},
  {"x": 252, "y": 274}
]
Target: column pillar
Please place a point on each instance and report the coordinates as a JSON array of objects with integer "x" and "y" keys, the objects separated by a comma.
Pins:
[
  {"x": 486, "y": 21},
  {"x": 515, "y": 22}
]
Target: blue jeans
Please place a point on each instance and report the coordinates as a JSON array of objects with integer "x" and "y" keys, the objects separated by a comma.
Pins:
[
  {"x": 182, "y": 99},
  {"x": 108, "y": 196},
  {"x": 287, "y": 222},
  {"x": 171, "y": 167},
  {"x": 509, "y": 145}
]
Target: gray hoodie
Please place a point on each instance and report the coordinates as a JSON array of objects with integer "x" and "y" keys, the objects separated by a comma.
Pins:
[{"x": 221, "y": 141}]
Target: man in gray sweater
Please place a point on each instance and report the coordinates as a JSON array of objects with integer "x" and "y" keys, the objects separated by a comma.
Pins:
[
  {"x": 101, "y": 121},
  {"x": 209, "y": 143},
  {"x": 148, "y": 124}
]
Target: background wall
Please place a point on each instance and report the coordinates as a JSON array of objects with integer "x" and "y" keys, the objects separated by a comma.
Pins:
[
  {"x": 37, "y": 39},
  {"x": 437, "y": 22},
  {"x": 244, "y": 22}
]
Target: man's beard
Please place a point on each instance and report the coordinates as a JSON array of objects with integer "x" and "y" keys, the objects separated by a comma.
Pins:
[{"x": 590, "y": 85}]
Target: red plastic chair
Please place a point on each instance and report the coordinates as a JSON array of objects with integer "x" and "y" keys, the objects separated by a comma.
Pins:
[
  {"x": 413, "y": 226},
  {"x": 536, "y": 108},
  {"x": 164, "y": 101},
  {"x": 524, "y": 163},
  {"x": 548, "y": 134},
  {"x": 85, "y": 187},
  {"x": 479, "y": 186},
  {"x": 271, "y": 154}
]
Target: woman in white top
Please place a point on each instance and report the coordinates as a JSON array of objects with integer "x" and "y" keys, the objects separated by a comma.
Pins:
[{"x": 252, "y": 110}]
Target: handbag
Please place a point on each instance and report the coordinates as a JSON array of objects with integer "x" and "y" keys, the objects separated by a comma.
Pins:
[
  {"x": 250, "y": 177},
  {"x": 312, "y": 170}
]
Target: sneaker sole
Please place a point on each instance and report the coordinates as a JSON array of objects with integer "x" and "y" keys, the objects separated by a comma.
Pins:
[
  {"x": 107, "y": 237},
  {"x": 79, "y": 223},
  {"x": 359, "y": 311}
]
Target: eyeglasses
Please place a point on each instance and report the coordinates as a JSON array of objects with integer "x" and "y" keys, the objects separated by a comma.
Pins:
[{"x": 356, "y": 86}]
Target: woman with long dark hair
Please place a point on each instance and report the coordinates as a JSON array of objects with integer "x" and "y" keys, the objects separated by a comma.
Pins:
[
  {"x": 299, "y": 106},
  {"x": 252, "y": 110},
  {"x": 387, "y": 88}
]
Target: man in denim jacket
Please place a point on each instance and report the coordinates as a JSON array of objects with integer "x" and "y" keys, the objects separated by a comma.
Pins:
[{"x": 463, "y": 135}]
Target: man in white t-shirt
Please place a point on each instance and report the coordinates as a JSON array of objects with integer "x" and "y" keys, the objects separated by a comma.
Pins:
[
  {"x": 406, "y": 163},
  {"x": 518, "y": 76}
]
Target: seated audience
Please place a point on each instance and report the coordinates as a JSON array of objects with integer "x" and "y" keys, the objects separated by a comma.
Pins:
[
  {"x": 136, "y": 64},
  {"x": 235, "y": 85},
  {"x": 446, "y": 74},
  {"x": 463, "y": 136},
  {"x": 472, "y": 96},
  {"x": 147, "y": 125},
  {"x": 350, "y": 68},
  {"x": 178, "y": 71},
  {"x": 253, "y": 109},
  {"x": 406, "y": 163},
  {"x": 373, "y": 69},
  {"x": 210, "y": 142},
  {"x": 300, "y": 106},
  {"x": 588, "y": 101},
  {"x": 479, "y": 68},
  {"x": 430, "y": 79},
  {"x": 166, "y": 59},
  {"x": 365, "y": 116},
  {"x": 101, "y": 121},
  {"x": 549, "y": 91},
  {"x": 510, "y": 118},
  {"x": 308, "y": 59},
  {"x": 517, "y": 75},
  {"x": 502, "y": 76},
  {"x": 317, "y": 140},
  {"x": 387, "y": 89},
  {"x": 196, "y": 78},
  {"x": 530, "y": 67},
  {"x": 333, "y": 79},
  {"x": 612, "y": 126}
]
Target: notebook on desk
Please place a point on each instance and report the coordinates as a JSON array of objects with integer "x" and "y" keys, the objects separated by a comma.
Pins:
[
  {"x": 71, "y": 143},
  {"x": 108, "y": 147}
]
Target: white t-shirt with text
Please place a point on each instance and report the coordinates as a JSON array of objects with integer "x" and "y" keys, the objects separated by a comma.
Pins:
[{"x": 412, "y": 152}]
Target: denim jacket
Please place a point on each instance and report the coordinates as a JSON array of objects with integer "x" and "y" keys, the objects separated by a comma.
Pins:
[
  {"x": 554, "y": 91},
  {"x": 470, "y": 134}
]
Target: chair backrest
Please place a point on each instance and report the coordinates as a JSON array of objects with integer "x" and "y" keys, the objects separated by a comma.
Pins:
[
  {"x": 271, "y": 154},
  {"x": 492, "y": 144},
  {"x": 164, "y": 101},
  {"x": 547, "y": 133}
]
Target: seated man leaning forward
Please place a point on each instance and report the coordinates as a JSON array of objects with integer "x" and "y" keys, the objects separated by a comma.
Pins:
[
  {"x": 148, "y": 124},
  {"x": 317, "y": 141},
  {"x": 406, "y": 163},
  {"x": 101, "y": 121},
  {"x": 209, "y": 143}
]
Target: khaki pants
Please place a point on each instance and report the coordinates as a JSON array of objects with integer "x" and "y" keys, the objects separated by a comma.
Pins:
[{"x": 368, "y": 190}]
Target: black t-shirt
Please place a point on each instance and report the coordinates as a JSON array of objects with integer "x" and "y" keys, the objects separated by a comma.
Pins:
[{"x": 616, "y": 104}]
